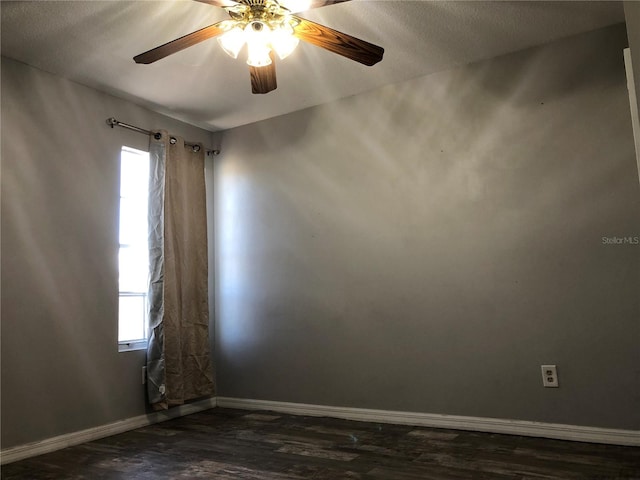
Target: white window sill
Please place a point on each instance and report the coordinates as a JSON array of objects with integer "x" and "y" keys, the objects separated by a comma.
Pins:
[{"x": 133, "y": 345}]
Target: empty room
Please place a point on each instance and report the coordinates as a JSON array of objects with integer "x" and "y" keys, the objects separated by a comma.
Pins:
[{"x": 320, "y": 239}]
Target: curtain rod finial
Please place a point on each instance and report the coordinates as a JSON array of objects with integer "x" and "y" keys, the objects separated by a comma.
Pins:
[{"x": 112, "y": 122}]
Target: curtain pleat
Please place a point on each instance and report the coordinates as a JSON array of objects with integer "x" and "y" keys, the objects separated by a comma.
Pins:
[{"x": 178, "y": 355}]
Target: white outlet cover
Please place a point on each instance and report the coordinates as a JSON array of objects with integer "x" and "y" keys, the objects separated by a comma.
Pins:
[{"x": 549, "y": 376}]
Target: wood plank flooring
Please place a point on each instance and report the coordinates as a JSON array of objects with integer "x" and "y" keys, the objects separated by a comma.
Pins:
[{"x": 240, "y": 445}]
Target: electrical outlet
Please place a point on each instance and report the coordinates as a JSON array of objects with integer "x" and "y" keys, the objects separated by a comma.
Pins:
[
  {"x": 549, "y": 376},
  {"x": 144, "y": 375}
]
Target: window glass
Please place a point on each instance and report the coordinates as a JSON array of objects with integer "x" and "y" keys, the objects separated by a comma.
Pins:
[{"x": 133, "y": 257}]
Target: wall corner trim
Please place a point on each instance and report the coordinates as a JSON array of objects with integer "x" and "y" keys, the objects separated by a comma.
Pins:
[
  {"x": 48, "y": 445},
  {"x": 556, "y": 431}
]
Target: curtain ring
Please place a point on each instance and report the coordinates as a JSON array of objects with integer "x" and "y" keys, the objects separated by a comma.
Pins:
[
  {"x": 196, "y": 148},
  {"x": 157, "y": 135},
  {"x": 172, "y": 140}
]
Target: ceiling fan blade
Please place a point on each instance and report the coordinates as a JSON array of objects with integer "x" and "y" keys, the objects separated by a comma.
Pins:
[
  {"x": 338, "y": 42},
  {"x": 263, "y": 79},
  {"x": 179, "y": 44}
]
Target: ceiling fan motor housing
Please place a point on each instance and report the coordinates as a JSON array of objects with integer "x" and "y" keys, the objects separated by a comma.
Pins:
[{"x": 269, "y": 12}]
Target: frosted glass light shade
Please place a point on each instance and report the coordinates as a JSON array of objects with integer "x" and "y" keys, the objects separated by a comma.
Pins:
[
  {"x": 258, "y": 55},
  {"x": 258, "y": 35},
  {"x": 283, "y": 41},
  {"x": 232, "y": 41}
]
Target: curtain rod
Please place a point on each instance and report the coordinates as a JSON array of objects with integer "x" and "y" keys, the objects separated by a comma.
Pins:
[{"x": 112, "y": 122}]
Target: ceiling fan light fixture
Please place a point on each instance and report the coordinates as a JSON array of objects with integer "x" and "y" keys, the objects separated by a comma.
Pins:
[
  {"x": 258, "y": 37},
  {"x": 268, "y": 28},
  {"x": 232, "y": 41},
  {"x": 258, "y": 56},
  {"x": 283, "y": 41}
]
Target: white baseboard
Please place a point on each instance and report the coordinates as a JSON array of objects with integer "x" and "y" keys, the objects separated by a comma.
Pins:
[
  {"x": 493, "y": 425},
  {"x": 75, "y": 438}
]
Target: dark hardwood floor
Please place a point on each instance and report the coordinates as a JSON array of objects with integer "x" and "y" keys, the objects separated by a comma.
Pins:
[{"x": 232, "y": 444}]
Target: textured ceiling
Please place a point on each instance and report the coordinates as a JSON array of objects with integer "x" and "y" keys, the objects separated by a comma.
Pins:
[{"x": 93, "y": 42}]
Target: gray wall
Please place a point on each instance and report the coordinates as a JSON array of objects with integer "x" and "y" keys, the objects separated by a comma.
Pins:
[
  {"x": 428, "y": 245},
  {"x": 61, "y": 370},
  {"x": 422, "y": 247}
]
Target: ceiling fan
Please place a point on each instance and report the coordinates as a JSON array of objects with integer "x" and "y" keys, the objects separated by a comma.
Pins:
[{"x": 268, "y": 28}]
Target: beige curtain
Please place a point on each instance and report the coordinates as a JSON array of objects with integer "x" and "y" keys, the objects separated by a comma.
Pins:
[{"x": 178, "y": 356}]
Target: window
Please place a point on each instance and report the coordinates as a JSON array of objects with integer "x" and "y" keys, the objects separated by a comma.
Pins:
[{"x": 133, "y": 257}]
